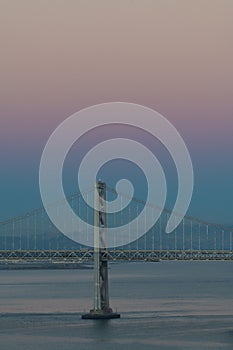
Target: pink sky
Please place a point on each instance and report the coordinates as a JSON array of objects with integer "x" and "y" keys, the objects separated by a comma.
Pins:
[{"x": 175, "y": 56}]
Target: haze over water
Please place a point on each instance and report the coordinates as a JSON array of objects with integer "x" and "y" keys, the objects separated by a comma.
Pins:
[{"x": 166, "y": 305}]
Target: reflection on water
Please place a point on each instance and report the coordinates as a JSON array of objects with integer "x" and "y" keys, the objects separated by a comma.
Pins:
[{"x": 167, "y": 305}]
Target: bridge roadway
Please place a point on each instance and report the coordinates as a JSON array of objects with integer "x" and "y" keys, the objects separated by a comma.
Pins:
[{"x": 84, "y": 255}]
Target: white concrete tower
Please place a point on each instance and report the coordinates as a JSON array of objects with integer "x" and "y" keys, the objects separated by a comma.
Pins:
[{"x": 101, "y": 308}]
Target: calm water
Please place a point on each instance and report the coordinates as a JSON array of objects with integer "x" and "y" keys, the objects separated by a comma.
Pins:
[{"x": 167, "y": 305}]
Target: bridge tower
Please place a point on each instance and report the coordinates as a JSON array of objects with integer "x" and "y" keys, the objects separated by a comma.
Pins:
[{"x": 101, "y": 308}]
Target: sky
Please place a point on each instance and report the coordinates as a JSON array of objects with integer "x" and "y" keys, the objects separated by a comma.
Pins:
[{"x": 174, "y": 56}]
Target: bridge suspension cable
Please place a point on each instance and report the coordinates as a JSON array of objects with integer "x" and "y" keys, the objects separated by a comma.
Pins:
[{"x": 34, "y": 231}]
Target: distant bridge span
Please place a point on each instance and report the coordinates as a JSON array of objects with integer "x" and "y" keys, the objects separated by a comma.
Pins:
[
  {"x": 86, "y": 255},
  {"x": 33, "y": 237}
]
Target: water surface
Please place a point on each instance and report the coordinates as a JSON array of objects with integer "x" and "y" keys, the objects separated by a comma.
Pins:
[{"x": 166, "y": 305}]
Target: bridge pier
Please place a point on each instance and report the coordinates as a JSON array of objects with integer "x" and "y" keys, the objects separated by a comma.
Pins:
[{"x": 101, "y": 308}]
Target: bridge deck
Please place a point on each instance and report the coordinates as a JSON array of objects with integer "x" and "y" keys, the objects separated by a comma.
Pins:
[{"x": 114, "y": 255}]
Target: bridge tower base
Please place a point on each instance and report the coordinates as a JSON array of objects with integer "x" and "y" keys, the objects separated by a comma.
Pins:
[{"x": 101, "y": 309}]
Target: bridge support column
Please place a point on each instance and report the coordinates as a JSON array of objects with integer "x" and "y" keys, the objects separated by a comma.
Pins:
[{"x": 101, "y": 308}]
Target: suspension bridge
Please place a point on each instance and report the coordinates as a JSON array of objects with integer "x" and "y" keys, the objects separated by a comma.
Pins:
[{"x": 33, "y": 237}]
